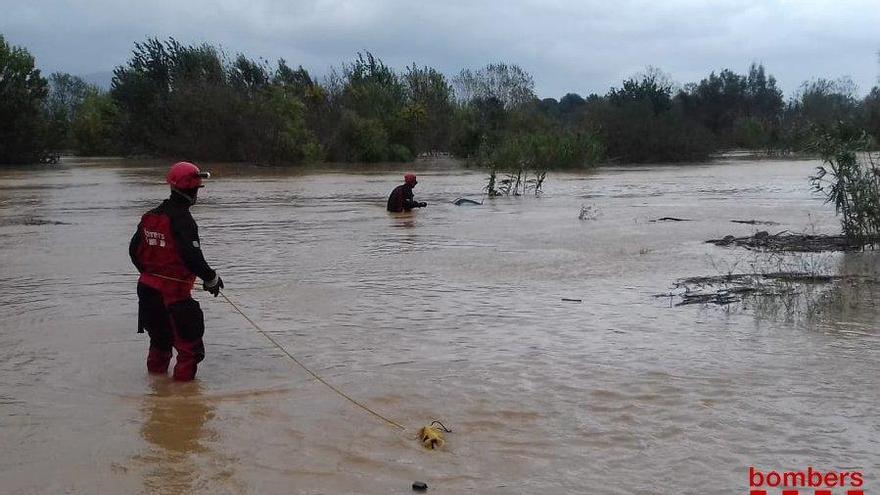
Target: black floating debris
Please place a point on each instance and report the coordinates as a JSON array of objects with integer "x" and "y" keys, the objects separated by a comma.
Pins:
[
  {"x": 571, "y": 300},
  {"x": 755, "y": 222},
  {"x": 671, "y": 219},
  {"x": 420, "y": 486}
]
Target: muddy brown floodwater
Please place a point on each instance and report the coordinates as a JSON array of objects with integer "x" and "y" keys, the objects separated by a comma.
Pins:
[{"x": 451, "y": 313}]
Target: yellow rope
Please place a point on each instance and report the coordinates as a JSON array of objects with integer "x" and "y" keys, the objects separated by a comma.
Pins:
[
  {"x": 294, "y": 359},
  {"x": 314, "y": 375}
]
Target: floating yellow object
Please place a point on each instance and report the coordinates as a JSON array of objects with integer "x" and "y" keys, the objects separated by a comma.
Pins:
[{"x": 431, "y": 437}]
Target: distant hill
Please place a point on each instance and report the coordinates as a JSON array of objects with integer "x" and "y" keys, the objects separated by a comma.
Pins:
[{"x": 99, "y": 79}]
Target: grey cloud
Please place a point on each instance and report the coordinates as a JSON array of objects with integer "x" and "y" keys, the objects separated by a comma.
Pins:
[{"x": 568, "y": 45}]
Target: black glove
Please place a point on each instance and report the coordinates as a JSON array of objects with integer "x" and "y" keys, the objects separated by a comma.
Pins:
[
  {"x": 423, "y": 204},
  {"x": 213, "y": 286}
]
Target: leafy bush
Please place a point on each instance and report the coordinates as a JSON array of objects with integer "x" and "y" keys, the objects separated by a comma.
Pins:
[
  {"x": 522, "y": 161},
  {"x": 849, "y": 178}
]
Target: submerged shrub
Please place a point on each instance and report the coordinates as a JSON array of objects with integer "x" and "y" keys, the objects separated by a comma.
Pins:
[
  {"x": 849, "y": 178},
  {"x": 519, "y": 164}
]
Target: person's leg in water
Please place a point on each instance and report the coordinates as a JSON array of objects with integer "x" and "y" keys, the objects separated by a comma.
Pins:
[
  {"x": 188, "y": 328},
  {"x": 153, "y": 317},
  {"x": 159, "y": 356}
]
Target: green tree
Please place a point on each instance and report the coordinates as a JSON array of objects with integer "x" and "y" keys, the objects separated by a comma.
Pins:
[
  {"x": 205, "y": 101},
  {"x": 95, "y": 127},
  {"x": 428, "y": 110},
  {"x": 66, "y": 94},
  {"x": 298, "y": 81},
  {"x": 320, "y": 118},
  {"x": 509, "y": 84},
  {"x": 481, "y": 120},
  {"x": 372, "y": 89},
  {"x": 824, "y": 102},
  {"x": 368, "y": 113},
  {"x": 739, "y": 110},
  {"x": 639, "y": 123},
  {"x": 275, "y": 129},
  {"x": 366, "y": 139},
  {"x": 764, "y": 99},
  {"x": 23, "y": 92},
  {"x": 248, "y": 77},
  {"x": 717, "y": 102},
  {"x": 142, "y": 89},
  {"x": 571, "y": 103},
  {"x": 193, "y": 101},
  {"x": 871, "y": 106},
  {"x": 652, "y": 89}
]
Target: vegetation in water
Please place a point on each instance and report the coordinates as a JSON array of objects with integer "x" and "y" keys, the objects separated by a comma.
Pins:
[
  {"x": 519, "y": 164},
  {"x": 850, "y": 178},
  {"x": 198, "y": 102}
]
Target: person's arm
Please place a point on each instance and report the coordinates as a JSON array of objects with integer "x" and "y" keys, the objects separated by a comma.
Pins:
[
  {"x": 409, "y": 202},
  {"x": 186, "y": 236},
  {"x": 133, "y": 248}
]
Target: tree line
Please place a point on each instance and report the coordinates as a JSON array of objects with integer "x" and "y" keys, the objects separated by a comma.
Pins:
[{"x": 194, "y": 101}]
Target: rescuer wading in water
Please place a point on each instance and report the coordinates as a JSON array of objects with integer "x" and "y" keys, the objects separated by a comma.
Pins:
[
  {"x": 166, "y": 251},
  {"x": 401, "y": 198}
]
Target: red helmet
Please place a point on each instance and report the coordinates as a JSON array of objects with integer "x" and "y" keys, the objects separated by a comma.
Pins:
[
  {"x": 185, "y": 175},
  {"x": 409, "y": 178}
]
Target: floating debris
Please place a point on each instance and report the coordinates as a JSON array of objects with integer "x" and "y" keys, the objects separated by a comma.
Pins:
[
  {"x": 29, "y": 221},
  {"x": 737, "y": 278},
  {"x": 588, "y": 212},
  {"x": 722, "y": 290},
  {"x": 784, "y": 241},
  {"x": 671, "y": 219},
  {"x": 755, "y": 222},
  {"x": 722, "y": 297}
]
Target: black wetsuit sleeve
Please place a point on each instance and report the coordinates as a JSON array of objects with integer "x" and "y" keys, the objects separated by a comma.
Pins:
[
  {"x": 408, "y": 201},
  {"x": 133, "y": 247},
  {"x": 186, "y": 236}
]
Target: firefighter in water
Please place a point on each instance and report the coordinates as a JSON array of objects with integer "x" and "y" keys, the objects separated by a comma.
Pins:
[
  {"x": 166, "y": 251},
  {"x": 401, "y": 198}
]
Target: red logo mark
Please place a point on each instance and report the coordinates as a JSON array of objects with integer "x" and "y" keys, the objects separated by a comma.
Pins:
[
  {"x": 808, "y": 482},
  {"x": 806, "y": 492}
]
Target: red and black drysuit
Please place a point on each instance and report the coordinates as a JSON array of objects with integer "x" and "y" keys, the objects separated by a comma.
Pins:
[
  {"x": 166, "y": 251},
  {"x": 401, "y": 199}
]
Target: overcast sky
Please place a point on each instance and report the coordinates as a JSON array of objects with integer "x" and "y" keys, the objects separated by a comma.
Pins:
[{"x": 568, "y": 45}]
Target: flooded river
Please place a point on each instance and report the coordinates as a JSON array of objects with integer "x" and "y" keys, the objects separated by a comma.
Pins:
[{"x": 451, "y": 313}]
